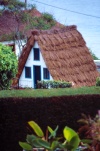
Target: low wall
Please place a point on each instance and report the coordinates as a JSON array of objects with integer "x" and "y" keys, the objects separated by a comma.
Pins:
[{"x": 53, "y": 111}]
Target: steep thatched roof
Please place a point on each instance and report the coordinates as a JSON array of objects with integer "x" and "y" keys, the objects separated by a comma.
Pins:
[{"x": 65, "y": 53}]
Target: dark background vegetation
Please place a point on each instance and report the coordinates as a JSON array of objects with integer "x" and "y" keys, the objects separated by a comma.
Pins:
[{"x": 53, "y": 111}]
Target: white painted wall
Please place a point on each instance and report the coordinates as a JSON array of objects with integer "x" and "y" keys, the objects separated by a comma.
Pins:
[{"x": 27, "y": 82}]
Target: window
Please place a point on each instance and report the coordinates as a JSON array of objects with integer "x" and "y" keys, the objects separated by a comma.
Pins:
[
  {"x": 36, "y": 54},
  {"x": 46, "y": 74},
  {"x": 27, "y": 72}
]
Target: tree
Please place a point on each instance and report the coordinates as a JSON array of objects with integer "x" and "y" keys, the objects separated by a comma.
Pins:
[
  {"x": 8, "y": 66},
  {"x": 24, "y": 21},
  {"x": 16, "y": 8}
]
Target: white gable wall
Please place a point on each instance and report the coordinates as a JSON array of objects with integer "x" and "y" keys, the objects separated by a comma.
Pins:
[{"x": 29, "y": 82}]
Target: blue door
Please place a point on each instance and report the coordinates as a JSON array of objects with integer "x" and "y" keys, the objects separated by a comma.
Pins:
[{"x": 36, "y": 75}]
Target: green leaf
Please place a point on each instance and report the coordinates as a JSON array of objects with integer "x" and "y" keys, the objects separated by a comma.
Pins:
[
  {"x": 88, "y": 141},
  {"x": 35, "y": 143},
  {"x": 69, "y": 133},
  {"x": 66, "y": 146},
  {"x": 30, "y": 138},
  {"x": 61, "y": 146},
  {"x": 53, "y": 132},
  {"x": 44, "y": 144},
  {"x": 75, "y": 142},
  {"x": 36, "y": 128},
  {"x": 54, "y": 145},
  {"x": 50, "y": 129},
  {"x": 25, "y": 145}
]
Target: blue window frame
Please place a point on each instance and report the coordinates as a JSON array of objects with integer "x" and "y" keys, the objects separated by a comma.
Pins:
[
  {"x": 27, "y": 72},
  {"x": 36, "y": 54},
  {"x": 46, "y": 74}
]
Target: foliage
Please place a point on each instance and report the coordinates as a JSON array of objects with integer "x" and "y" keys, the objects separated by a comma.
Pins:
[
  {"x": 53, "y": 84},
  {"x": 32, "y": 6},
  {"x": 10, "y": 36},
  {"x": 98, "y": 81},
  {"x": 39, "y": 22},
  {"x": 69, "y": 140},
  {"x": 90, "y": 128},
  {"x": 44, "y": 22},
  {"x": 8, "y": 66},
  {"x": 24, "y": 16},
  {"x": 48, "y": 17},
  {"x": 12, "y": 5},
  {"x": 7, "y": 37}
]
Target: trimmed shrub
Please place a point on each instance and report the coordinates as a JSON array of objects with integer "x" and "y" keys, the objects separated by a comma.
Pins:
[
  {"x": 98, "y": 81},
  {"x": 53, "y": 84}
]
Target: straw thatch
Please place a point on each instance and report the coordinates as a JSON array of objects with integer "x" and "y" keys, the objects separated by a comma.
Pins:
[{"x": 66, "y": 55}]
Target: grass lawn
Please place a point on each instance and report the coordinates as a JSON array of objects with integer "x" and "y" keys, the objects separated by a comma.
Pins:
[{"x": 49, "y": 92}]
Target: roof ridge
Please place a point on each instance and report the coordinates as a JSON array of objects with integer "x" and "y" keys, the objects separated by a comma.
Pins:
[{"x": 54, "y": 31}]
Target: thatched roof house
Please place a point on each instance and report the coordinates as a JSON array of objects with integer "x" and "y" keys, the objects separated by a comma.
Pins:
[{"x": 65, "y": 54}]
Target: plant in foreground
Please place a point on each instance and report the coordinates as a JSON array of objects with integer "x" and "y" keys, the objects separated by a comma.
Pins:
[
  {"x": 90, "y": 128},
  {"x": 70, "y": 140}
]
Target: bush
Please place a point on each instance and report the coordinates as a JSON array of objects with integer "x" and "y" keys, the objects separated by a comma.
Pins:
[
  {"x": 51, "y": 142},
  {"x": 53, "y": 84},
  {"x": 8, "y": 66},
  {"x": 48, "y": 17},
  {"x": 98, "y": 81},
  {"x": 90, "y": 129},
  {"x": 44, "y": 22}
]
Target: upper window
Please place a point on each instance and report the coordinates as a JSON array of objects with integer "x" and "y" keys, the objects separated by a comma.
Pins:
[
  {"x": 27, "y": 72},
  {"x": 46, "y": 74},
  {"x": 36, "y": 54}
]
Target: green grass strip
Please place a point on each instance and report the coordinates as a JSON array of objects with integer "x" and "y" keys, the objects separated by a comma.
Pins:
[{"x": 49, "y": 92}]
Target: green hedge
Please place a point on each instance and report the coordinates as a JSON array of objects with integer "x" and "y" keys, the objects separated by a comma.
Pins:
[
  {"x": 53, "y": 84},
  {"x": 98, "y": 81},
  {"x": 65, "y": 110}
]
